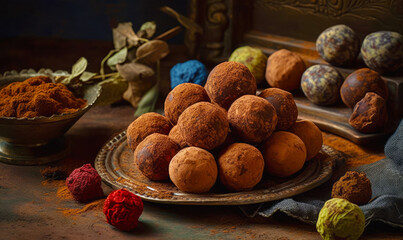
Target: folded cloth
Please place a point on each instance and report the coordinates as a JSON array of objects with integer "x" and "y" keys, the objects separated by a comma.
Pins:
[{"x": 386, "y": 205}]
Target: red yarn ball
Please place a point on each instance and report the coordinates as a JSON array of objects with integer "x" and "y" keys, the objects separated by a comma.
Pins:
[
  {"x": 84, "y": 184},
  {"x": 122, "y": 209}
]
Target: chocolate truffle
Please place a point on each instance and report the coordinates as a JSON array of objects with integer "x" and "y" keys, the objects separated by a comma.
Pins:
[
  {"x": 358, "y": 83},
  {"x": 145, "y": 125},
  {"x": 383, "y": 51},
  {"x": 203, "y": 125},
  {"x": 321, "y": 84},
  {"x": 181, "y": 97},
  {"x": 176, "y": 135},
  {"x": 311, "y": 135},
  {"x": 240, "y": 167},
  {"x": 193, "y": 170},
  {"x": 229, "y": 81},
  {"x": 354, "y": 187},
  {"x": 284, "y": 69},
  {"x": 283, "y": 102},
  {"x": 338, "y": 45},
  {"x": 284, "y": 154},
  {"x": 369, "y": 114},
  {"x": 153, "y": 155},
  {"x": 252, "y": 119},
  {"x": 253, "y": 58}
]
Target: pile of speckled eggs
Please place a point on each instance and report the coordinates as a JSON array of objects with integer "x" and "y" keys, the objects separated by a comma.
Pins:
[{"x": 363, "y": 90}]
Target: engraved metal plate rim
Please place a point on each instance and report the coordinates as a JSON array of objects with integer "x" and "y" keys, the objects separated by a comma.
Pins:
[{"x": 242, "y": 198}]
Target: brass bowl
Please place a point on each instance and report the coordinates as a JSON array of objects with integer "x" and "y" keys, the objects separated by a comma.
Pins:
[{"x": 38, "y": 140}]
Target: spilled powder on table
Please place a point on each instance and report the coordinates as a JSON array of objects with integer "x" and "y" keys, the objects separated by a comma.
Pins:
[{"x": 96, "y": 205}]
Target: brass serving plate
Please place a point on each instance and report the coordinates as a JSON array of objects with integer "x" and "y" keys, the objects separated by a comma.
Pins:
[
  {"x": 38, "y": 140},
  {"x": 114, "y": 164}
]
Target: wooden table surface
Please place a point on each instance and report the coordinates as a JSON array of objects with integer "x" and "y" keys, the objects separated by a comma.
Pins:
[{"x": 31, "y": 208}]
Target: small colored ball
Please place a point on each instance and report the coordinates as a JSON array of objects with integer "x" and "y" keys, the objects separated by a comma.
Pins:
[
  {"x": 240, "y": 167},
  {"x": 84, "y": 184},
  {"x": 229, "y": 81},
  {"x": 283, "y": 102},
  {"x": 321, "y": 84},
  {"x": 284, "y": 154},
  {"x": 284, "y": 69},
  {"x": 203, "y": 125},
  {"x": 369, "y": 114},
  {"x": 193, "y": 170},
  {"x": 340, "y": 219},
  {"x": 154, "y": 154},
  {"x": 358, "y": 83},
  {"x": 145, "y": 125},
  {"x": 252, "y": 119},
  {"x": 122, "y": 209},
  {"x": 311, "y": 135},
  {"x": 181, "y": 97},
  {"x": 354, "y": 187},
  {"x": 192, "y": 71},
  {"x": 383, "y": 51},
  {"x": 253, "y": 58},
  {"x": 338, "y": 45}
]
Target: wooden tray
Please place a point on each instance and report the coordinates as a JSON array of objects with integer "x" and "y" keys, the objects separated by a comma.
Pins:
[
  {"x": 334, "y": 119},
  {"x": 114, "y": 164}
]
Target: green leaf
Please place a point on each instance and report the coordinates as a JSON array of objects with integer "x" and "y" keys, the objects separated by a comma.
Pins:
[
  {"x": 87, "y": 76},
  {"x": 112, "y": 90},
  {"x": 148, "y": 101},
  {"x": 147, "y": 30},
  {"x": 152, "y": 51},
  {"x": 78, "y": 68},
  {"x": 102, "y": 70},
  {"x": 117, "y": 58}
]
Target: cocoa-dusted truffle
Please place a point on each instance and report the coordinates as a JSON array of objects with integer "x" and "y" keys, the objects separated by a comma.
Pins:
[
  {"x": 176, "y": 135},
  {"x": 358, "y": 83},
  {"x": 240, "y": 167},
  {"x": 311, "y": 135},
  {"x": 153, "y": 155},
  {"x": 229, "y": 81},
  {"x": 203, "y": 125},
  {"x": 284, "y": 70},
  {"x": 145, "y": 125},
  {"x": 283, "y": 102},
  {"x": 354, "y": 187},
  {"x": 284, "y": 154},
  {"x": 252, "y": 118},
  {"x": 369, "y": 114},
  {"x": 193, "y": 170},
  {"x": 181, "y": 97}
]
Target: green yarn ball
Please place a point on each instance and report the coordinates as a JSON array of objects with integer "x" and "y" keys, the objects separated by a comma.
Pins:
[{"x": 253, "y": 58}]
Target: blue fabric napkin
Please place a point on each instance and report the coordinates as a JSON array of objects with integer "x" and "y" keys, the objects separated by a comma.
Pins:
[{"x": 386, "y": 178}]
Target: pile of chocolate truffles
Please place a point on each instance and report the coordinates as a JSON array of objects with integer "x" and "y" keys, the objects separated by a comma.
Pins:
[{"x": 223, "y": 133}]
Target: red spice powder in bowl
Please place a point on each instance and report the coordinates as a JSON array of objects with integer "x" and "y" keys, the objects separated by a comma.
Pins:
[{"x": 32, "y": 125}]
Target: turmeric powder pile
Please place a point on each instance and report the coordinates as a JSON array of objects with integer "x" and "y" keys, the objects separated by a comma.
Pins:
[{"x": 37, "y": 96}]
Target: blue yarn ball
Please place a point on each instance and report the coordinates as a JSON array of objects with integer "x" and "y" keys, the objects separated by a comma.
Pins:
[{"x": 192, "y": 71}]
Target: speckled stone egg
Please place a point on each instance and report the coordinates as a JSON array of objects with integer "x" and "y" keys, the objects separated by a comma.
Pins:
[
  {"x": 383, "y": 51},
  {"x": 253, "y": 58},
  {"x": 321, "y": 84},
  {"x": 338, "y": 45}
]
